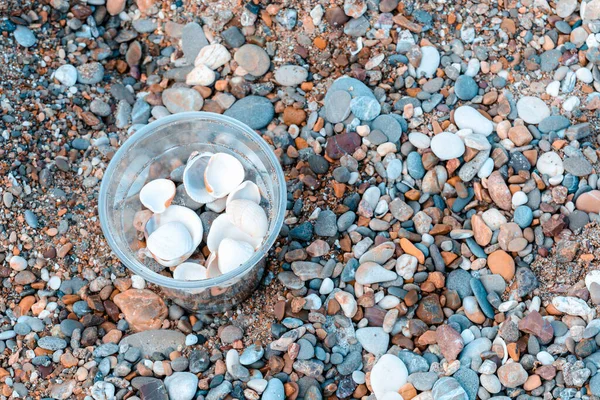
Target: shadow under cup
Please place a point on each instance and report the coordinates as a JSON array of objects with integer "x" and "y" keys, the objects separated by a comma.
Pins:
[{"x": 154, "y": 152}]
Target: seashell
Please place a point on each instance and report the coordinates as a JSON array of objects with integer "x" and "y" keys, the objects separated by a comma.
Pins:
[
  {"x": 181, "y": 215},
  {"x": 217, "y": 205},
  {"x": 247, "y": 190},
  {"x": 233, "y": 253},
  {"x": 169, "y": 242},
  {"x": 189, "y": 271},
  {"x": 212, "y": 266},
  {"x": 223, "y": 174},
  {"x": 157, "y": 195},
  {"x": 249, "y": 217},
  {"x": 193, "y": 178},
  {"x": 222, "y": 227}
]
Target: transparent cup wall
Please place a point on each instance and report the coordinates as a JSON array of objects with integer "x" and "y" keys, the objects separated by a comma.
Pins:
[{"x": 155, "y": 151}]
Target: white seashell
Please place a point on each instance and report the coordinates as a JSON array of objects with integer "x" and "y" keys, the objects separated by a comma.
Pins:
[
  {"x": 233, "y": 253},
  {"x": 217, "y": 205},
  {"x": 221, "y": 228},
  {"x": 193, "y": 178},
  {"x": 189, "y": 271},
  {"x": 212, "y": 266},
  {"x": 157, "y": 195},
  {"x": 247, "y": 190},
  {"x": 249, "y": 217},
  {"x": 223, "y": 173},
  {"x": 182, "y": 215},
  {"x": 170, "y": 241}
]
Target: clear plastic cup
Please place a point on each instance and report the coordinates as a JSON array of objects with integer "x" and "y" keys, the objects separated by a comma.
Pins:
[{"x": 156, "y": 150}]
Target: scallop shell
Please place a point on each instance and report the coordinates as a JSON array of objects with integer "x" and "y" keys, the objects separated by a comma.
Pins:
[
  {"x": 223, "y": 174},
  {"x": 233, "y": 253},
  {"x": 181, "y": 215},
  {"x": 249, "y": 217},
  {"x": 193, "y": 178},
  {"x": 157, "y": 195},
  {"x": 189, "y": 271},
  {"x": 221, "y": 228},
  {"x": 170, "y": 241},
  {"x": 247, "y": 190}
]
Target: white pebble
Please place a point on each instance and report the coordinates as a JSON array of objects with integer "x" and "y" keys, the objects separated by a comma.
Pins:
[
  {"x": 137, "y": 282},
  {"x": 486, "y": 169},
  {"x": 54, "y": 283},
  {"x": 191, "y": 339},
  {"x": 326, "y": 286},
  {"x": 571, "y": 103},
  {"x": 545, "y": 358},
  {"x": 18, "y": 263},
  {"x": 584, "y": 75},
  {"x": 358, "y": 377},
  {"x": 519, "y": 198},
  {"x": 553, "y": 88}
]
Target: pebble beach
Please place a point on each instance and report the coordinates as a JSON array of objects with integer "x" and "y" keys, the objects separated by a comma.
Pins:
[{"x": 440, "y": 239}]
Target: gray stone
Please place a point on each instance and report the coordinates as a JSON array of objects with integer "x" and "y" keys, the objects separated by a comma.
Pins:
[
  {"x": 255, "y": 111},
  {"x": 24, "y": 36},
  {"x": 465, "y": 87},
  {"x": 151, "y": 341},
  {"x": 181, "y": 385},
  {"x": 193, "y": 40},
  {"x": 448, "y": 389}
]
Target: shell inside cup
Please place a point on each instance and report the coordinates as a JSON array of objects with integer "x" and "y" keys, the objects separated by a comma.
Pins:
[
  {"x": 193, "y": 178},
  {"x": 157, "y": 195},
  {"x": 223, "y": 227},
  {"x": 232, "y": 254},
  {"x": 247, "y": 190},
  {"x": 190, "y": 271},
  {"x": 174, "y": 232},
  {"x": 174, "y": 216},
  {"x": 223, "y": 174},
  {"x": 249, "y": 217}
]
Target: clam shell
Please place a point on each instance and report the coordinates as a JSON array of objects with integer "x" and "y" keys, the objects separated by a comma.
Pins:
[
  {"x": 233, "y": 253},
  {"x": 181, "y": 215},
  {"x": 222, "y": 227},
  {"x": 223, "y": 174},
  {"x": 218, "y": 205},
  {"x": 212, "y": 266},
  {"x": 249, "y": 217},
  {"x": 189, "y": 271},
  {"x": 247, "y": 190},
  {"x": 157, "y": 195},
  {"x": 193, "y": 178},
  {"x": 170, "y": 241}
]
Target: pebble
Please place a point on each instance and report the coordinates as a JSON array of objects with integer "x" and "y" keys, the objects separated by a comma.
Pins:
[
  {"x": 388, "y": 365},
  {"x": 253, "y": 59},
  {"x": 24, "y": 36},
  {"x": 181, "y": 100},
  {"x": 290, "y": 75},
  {"x": 181, "y": 385},
  {"x": 447, "y": 145},
  {"x": 468, "y": 118},
  {"x": 255, "y": 111},
  {"x": 374, "y": 340},
  {"x": 66, "y": 74},
  {"x": 465, "y": 87},
  {"x": 532, "y": 110}
]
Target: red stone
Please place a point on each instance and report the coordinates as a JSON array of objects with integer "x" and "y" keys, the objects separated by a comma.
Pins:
[
  {"x": 535, "y": 325},
  {"x": 450, "y": 342}
]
